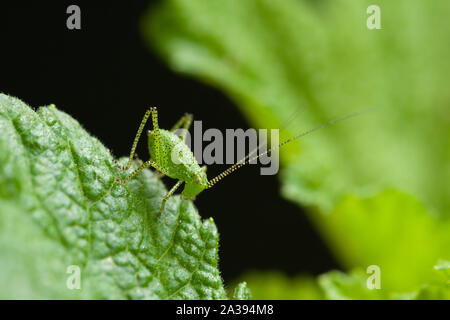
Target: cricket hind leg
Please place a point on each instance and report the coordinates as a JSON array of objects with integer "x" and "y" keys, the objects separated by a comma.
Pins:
[
  {"x": 184, "y": 123},
  {"x": 154, "y": 112},
  {"x": 167, "y": 197}
]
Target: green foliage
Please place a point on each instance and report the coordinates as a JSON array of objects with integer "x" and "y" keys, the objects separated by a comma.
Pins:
[
  {"x": 377, "y": 185},
  {"x": 439, "y": 289},
  {"x": 340, "y": 286},
  {"x": 60, "y": 206},
  {"x": 394, "y": 231},
  {"x": 336, "y": 285},
  {"x": 242, "y": 292},
  {"x": 275, "y": 285},
  {"x": 273, "y": 57}
]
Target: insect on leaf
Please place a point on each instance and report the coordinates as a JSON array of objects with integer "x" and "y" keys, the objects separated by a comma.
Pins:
[{"x": 60, "y": 206}]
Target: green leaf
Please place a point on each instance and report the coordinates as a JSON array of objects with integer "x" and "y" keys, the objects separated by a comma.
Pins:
[
  {"x": 32, "y": 265},
  {"x": 443, "y": 267},
  {"x": 274, "y": 58},
  {"x": 60, "y": 206},
  {"x": 377, "y": 186},
  {"x": 340, "y": 286},
  {"x": 337, "y": 285},
  {"x": 439, "y": 289},
  {"x": 276, "y": 286},
  {"x": 242, "y": 292},
  {"x": 433, "y": 292},
  {"x": 391, "y": 230}
]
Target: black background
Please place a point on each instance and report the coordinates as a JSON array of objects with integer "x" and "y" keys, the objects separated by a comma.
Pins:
[{"x": 105, "y": 76}]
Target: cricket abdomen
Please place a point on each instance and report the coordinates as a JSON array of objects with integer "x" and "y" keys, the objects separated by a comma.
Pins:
[{"x": 176, "y": 159}]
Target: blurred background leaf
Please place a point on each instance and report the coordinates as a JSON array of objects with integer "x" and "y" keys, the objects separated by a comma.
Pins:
[
  {"x": 341, "y": 286},
  {"x": 377, "y": 185},
  {"x": 439, "y": 289},
  {"x": 275, "y": 285}
]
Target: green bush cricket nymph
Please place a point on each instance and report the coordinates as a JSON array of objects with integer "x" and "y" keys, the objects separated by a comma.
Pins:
[{"x": 163, "y": 144}]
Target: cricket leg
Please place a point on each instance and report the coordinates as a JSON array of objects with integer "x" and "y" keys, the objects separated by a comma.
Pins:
[
  {"x": 146, "y": 164},
  {"x": 136, "y": 139},
  {"x": 160, "y": 159},
  {"x": 184, "y": 121},
  {"x": 167, "y": 196}
]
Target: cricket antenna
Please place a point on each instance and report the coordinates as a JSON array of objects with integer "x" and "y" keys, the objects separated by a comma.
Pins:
[{"x": 247, "y": 158}]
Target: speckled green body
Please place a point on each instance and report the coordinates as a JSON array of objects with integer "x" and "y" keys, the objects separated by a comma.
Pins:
[{"x": 178, "y": 162}]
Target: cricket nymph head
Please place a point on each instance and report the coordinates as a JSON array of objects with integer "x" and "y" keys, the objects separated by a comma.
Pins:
[{"x": 195, "y": 185}]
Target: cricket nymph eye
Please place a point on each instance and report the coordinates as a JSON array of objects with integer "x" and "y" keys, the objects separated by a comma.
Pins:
[{"x": 198, "y": 179}]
